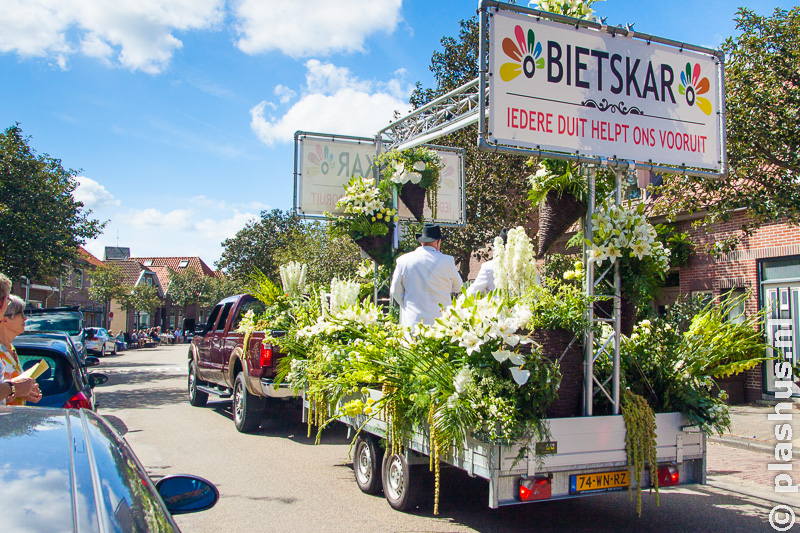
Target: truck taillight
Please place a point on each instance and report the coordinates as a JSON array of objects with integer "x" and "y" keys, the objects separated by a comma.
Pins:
[
  {"x": 266, "y": 356},
  {"x": 536, "y": 488},
  {"x": 668, "y": 475}
]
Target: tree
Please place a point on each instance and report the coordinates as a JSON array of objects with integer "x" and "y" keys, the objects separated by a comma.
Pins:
[
  {"x": 107, "y": 283},
  {"x": 762, "y": 84},
  {"x": 144, "y": 298},
  {"x": 40, "y": 222},
  {"x": 258, "y": 245},
  {"x": 217, "y": 289},
  {"x": 327, "y": 255},
  {"x": 496, "y": 184},
  {"x": 186, "y": 287}
]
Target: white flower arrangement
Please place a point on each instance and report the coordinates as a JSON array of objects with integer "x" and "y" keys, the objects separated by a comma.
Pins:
[
  {"x": 474, "y": 321},
  {"x": 402, "y": 175},
  {"x": 619, "y": 230},
  {"x": 515, "y": 263},
  {"x": 343, "y": 294},
  {"x": 358, "y": 315},
  {"x": 362, "y": 197},
  {"x": 293, "y": 277}
]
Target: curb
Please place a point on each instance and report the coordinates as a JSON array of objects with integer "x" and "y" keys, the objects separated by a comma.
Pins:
[{"x": 744, "y": 444}]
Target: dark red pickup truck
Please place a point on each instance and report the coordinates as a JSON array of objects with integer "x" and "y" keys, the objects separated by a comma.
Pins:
[{"x": 220, "y": 365}]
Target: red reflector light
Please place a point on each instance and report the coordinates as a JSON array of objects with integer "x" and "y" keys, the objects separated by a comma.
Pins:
[
  {"x": 668, "y": 475},
  {"x": 266, "y": 356},
  {"x": 79, "y": 401},
  {"x": 532, "y": 489}
]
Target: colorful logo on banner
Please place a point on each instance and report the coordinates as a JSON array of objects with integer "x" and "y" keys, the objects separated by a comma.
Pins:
[
  {"x": 322, "y": 159},
  {"x": 525, "y": 53},
  {"x": 691, "y": 86}
]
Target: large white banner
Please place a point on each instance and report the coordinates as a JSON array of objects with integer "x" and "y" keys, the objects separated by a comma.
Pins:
[
  {"x": 325, "y": 164},
  {"x": 559, "y": 88}
]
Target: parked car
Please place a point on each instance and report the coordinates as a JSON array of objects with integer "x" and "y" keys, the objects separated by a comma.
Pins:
[
  {"x": 58, "y": 319},
  {"x": 67, "y": 470},
  {"x": 100, "y": 341},
  {"x": 66, "y": 383}
]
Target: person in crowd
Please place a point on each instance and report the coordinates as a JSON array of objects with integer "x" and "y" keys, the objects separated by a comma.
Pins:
[
  {"x": 120, "y": 340},
  {"x": 177, "y": 334},
  {"x": 5, "y": 291},
  {"x": 424, "y": 280},
  {"x": 14, "y": 388},
  {"x": 485, "y": 280}
]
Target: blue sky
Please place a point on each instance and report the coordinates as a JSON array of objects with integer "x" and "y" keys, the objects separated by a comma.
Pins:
[{"x": 180, "y": 113}]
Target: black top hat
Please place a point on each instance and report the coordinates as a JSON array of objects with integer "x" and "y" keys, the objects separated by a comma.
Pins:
[{"x": 430, "y": 233}]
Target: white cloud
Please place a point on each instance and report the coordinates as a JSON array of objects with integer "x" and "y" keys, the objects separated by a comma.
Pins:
[
  {"x": 284, "y": 93},
  {"x": 93, "y": 194},
  {"x": 136, "y": 34},
  {"x": 180, "y": 232},
  {"x": 334, "y": 101},
  {"x": 177, "y": 219},
  {"x": 312, "y": 26}
]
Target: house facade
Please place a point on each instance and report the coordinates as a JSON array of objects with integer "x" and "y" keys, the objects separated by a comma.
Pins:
[{"x": 71, "y": 289}]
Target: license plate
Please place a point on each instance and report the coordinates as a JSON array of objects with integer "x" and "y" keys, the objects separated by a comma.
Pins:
[{"x": 602, "y": 481}]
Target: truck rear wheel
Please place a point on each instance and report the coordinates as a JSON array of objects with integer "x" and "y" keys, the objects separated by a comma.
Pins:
[
  {"x": 402, "y": 483},
  {"x": 197, "y": 398},
  {"x": 247, "y": 409},
  {"x": 367, "y": 465}
]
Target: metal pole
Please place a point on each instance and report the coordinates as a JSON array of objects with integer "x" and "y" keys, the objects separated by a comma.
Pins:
[
  {"x": 617, "y": 306},
  {"x": 588, "y": 362}
]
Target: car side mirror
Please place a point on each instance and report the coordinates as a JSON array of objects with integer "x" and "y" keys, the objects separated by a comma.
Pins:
[
  {"x": 187, "y": 494},
  {"x": 91, "y": 361},
  {"x": 96, "y": 378}
]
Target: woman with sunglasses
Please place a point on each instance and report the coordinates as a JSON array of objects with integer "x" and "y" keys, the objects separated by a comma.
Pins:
[{"x": 14, "y": 389}]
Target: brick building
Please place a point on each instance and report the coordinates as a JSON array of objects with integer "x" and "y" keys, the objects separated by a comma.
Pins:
[{"x": 71, "y": 289}]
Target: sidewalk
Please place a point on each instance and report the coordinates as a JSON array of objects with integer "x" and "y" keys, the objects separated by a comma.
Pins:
[
  {"x": 751, "y": 428},
  {"x": 737, "y": 461}
]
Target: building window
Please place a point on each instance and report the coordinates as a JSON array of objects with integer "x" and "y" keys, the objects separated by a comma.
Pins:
[
  {"x": 148, "y": 262},
  {"x": 737, "y": 313},
  {"x": 183, "y": 264},
  {"x": 77, "y": 280},
  {"x": 706, "y": 296}
]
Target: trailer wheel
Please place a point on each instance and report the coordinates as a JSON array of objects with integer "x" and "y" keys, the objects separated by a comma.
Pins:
[
  {"x": 401, "y": 483},
  {"x": 247, "y": 409},
  {"x": 197, "y": 398},
  {"x": 367, "y": 465}
]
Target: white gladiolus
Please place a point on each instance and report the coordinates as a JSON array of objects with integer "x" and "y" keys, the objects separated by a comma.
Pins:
[
  {"x": 293, "y": 277},
  {"x": 343, "y": 294},
  {"x": 515, "y": 263}
]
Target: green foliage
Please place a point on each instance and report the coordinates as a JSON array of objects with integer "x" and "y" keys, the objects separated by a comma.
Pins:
[
  {"x": 107, "y": 283},
  {"x": 186, "y": 287},
  {"x": 720, "y": 347},
  {"x": 558, "y": 306},
  {"x": 640, "y": 442},
  {"x": 680, "y": 244},
  {"x": 263, "y": 288},
  {"x": 259, "y": 244},
  {"x": 762, "y": 85},
  {"x": 219, "y": 288},
  {"x": 40, "y": 222},
  {"x": 144, "y": 297},
  {"x": 327, "y": 254}
]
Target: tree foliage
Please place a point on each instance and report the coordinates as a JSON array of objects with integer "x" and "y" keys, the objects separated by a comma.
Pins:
[
  {"x": 108, "y": 283},
  {"x": 258, "y": 245},
  {"x": 186, "y": 287},
  {"x": 496, "y": 185},
  {"x": 144, "y": 298},
  {"x": 41, "y": 224},
  {"x": 762, "y": 84},
  {"x": 217, "y": 289},
  {"x": 326, "y": 254}
]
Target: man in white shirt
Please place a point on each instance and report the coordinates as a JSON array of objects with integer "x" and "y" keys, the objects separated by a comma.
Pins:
[{"x": 425, "y": 279}]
